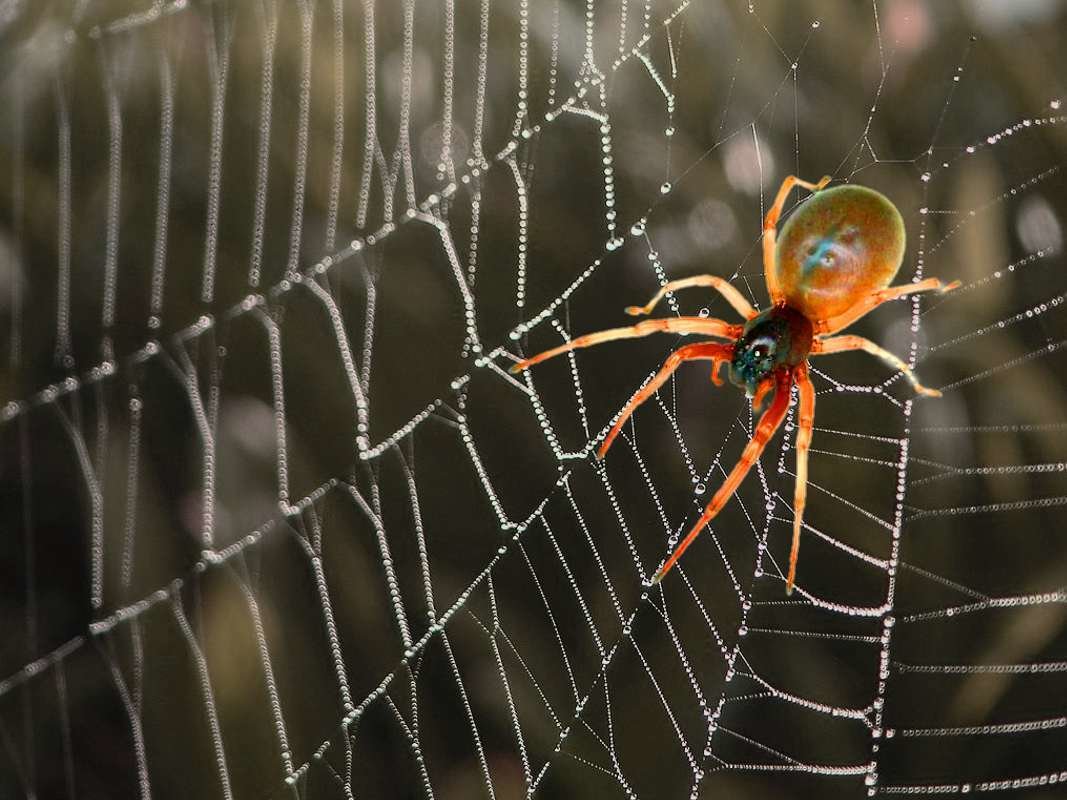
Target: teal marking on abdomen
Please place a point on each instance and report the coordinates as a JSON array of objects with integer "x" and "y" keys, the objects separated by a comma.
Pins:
[{"x": 824, "y": 246}]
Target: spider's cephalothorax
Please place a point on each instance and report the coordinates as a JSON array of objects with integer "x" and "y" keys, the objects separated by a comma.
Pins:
[
  {"x": 779, "y": 337},
  {"x": 834, "y": 262}
]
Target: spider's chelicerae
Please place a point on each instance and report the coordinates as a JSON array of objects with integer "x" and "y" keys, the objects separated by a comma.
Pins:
[{"x": 832, "y": 264}]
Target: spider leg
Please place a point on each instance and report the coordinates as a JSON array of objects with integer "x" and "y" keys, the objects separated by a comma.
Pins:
[
  {"x": 770, "y": 231},
  {"x": 704, "y": 350},
  {"x": 800, "y": 490},
  {"x": 768, "y": 424},
  {"x": 875, "y": 299},
  {"x": 701, "y": 325},
  {"x": 761, "y": 393},
  {"x": 840, "y": 344},
  {"x": 715, "y": 370},
  {"x": 726, "y": 289}
]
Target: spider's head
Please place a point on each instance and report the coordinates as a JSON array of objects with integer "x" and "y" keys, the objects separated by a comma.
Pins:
[
  {"x": 754, "y": 359},
  {"x": 778, "y": 337}
]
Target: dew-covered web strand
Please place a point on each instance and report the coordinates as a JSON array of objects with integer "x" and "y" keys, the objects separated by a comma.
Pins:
[
  {"x": 888, "y": 620},
  {"x": 187, "y": 374},
  {"x": 300, "y": 167},
  {"x": 948, "y": 471},
  {"x": 219, "y": 46},
  {"x": 63, "y": 218},
  {"x": 163, "y": 184},
  {"x": 337, "y": 153},
  {"x": 206, "y": 323}
]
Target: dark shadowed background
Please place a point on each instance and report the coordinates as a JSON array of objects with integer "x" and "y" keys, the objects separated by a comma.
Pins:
[{"x": 277, "y": 523}]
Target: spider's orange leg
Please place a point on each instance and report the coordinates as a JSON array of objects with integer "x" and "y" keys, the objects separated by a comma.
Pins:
[
  {"x": 704, "y": 350},
  {"x": 875, "y": 299},
  {"x": 701, "y": 325},
  {"x": 726, "y": 289},
  {"x": 841, "y": 344},
  {"x": 768, "y": 424},
  {"x": 761, "y": 393},
  {"x": 770, "y": 231},
  {"x": 800, "y": 490}
]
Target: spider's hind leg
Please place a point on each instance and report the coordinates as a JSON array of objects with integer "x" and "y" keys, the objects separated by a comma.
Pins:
[{"x": 768, "y": 424}]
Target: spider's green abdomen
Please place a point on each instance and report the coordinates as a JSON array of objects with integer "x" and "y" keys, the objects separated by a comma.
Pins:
[{"x": 839, "y": 246}]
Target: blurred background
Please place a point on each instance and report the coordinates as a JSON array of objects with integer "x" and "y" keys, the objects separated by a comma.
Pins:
[{"x": 277, "y": 523}]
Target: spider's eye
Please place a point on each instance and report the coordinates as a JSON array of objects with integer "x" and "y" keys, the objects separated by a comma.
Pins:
[{"x": 762, "y": 350}]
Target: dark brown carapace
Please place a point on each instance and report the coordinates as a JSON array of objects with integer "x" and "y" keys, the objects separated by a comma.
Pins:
[
  {"x": 832, "y": 264},
  {"x": 779, "y": 337}
]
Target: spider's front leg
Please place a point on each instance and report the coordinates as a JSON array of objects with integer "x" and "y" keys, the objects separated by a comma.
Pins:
[
  {"x": 713, "y": 351},
  {"x": 701, "y": 325},
  {"x": 768, "y": 424},
  {"x": 726, "y": 289}
]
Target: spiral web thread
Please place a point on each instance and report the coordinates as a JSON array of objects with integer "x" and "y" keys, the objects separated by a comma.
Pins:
[{"x": 572, "y": 564}]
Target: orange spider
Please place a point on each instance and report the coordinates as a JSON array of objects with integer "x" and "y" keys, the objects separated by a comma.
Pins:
[{"x": 832, "y": 265}]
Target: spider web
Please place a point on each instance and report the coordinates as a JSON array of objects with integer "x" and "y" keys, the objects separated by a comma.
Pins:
[{"x": 278, "y": 522}]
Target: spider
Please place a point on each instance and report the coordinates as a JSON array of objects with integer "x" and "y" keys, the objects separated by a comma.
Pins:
[{"x": 832, "y": 265}]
